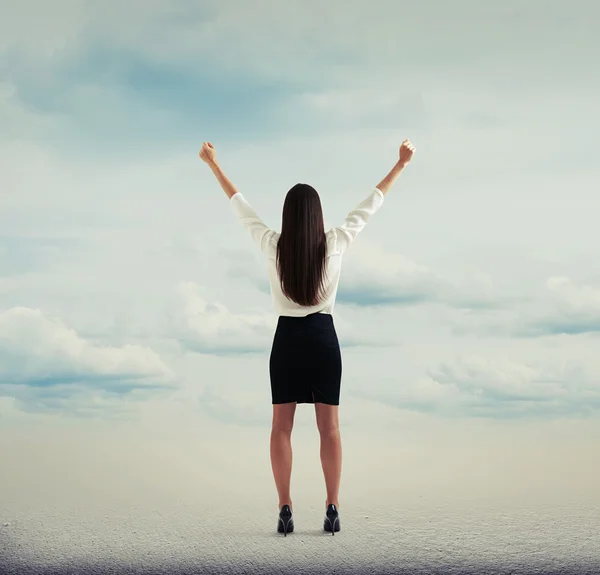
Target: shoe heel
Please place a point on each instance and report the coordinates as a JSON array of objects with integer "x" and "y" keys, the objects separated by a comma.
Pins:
[
  {"x": 332, "y": 520},
  {"x": 286, "y": 521}
]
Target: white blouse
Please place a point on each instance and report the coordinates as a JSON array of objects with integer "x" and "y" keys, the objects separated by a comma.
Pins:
[{"x": 338, "y": 240}]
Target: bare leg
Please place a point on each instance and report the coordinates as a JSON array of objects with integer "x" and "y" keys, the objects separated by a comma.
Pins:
[
  {"x": 281, "y": 450},
  {"x": 331, "y": 449}
]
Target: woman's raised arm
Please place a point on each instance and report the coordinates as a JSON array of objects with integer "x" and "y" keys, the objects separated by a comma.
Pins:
[
  {"x": 208, "y": 155},
  {"x": 357, "y": 219},
  {"x": 259, "y": 231},
  {"x": 404, "y": 156}
]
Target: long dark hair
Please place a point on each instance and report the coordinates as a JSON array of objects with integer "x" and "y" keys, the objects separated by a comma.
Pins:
[{"x": 302, "y": 247}]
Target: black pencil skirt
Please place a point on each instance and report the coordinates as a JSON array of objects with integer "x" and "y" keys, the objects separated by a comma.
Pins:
[{"x": 305, "y": 365}]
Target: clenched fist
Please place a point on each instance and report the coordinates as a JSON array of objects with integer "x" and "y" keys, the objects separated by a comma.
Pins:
[
  {"x": 406, "y": 151},
  {"x": 207, "y": 153}
]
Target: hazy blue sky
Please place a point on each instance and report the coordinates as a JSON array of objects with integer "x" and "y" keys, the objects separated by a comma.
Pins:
[{"x": 127, "y": 288}]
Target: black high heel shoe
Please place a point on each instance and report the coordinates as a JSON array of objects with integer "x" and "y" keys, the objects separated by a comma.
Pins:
[
  {"x": 332, "y": 520},
  {"x": 285, "y": 524}
]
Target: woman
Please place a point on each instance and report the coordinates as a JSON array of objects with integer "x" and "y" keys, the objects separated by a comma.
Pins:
[{"x": 305, "y": 363}]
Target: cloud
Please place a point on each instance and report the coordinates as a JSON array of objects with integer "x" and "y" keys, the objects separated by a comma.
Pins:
[
  {"x": 481, "y": 387},
  {"x": 108, "y": 90},
  {"x": 97, "y": 101},
  {"x": 565, "y": 307},
  {"x": 237, "y": 405},
  {"x": 112, "y": 75},
  {"x": 246, "y": 269},
  {"x": 211, "y": 328},
  {"x": 98, "y": 79},
  {"x": 21, "y": 254},
  {"x": 367, "y": 37},
  {"x": 379, "y": 278},
  {"x": 44, "y": 363},
  {"x": 118, "y": 95},
  {"x": 575, "y": 309},
  {"x": 374, "y": 276}
]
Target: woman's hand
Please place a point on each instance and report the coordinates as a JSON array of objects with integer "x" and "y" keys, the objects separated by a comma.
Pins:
[
  {"x": 207, "y": 153},
  {"x": 406, "y": 151}
]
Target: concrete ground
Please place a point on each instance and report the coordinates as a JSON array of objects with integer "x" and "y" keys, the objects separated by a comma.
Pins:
[{"x": 93, "y": 506}]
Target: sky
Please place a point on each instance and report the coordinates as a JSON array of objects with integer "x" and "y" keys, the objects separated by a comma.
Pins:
[{"x": 131, "y": 297}]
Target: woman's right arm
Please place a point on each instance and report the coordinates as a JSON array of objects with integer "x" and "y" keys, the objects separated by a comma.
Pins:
[
  {"x": 259, "y": 231},
  {"x": 357, "y": 219}
]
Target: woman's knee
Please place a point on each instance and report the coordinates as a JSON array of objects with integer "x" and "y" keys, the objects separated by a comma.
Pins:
[
  {"x": 283, "y": 418},
  {"x": 327, "y": 420},
  {"x": 282, "y": 428},
  {"x": 329, "y": 433}
]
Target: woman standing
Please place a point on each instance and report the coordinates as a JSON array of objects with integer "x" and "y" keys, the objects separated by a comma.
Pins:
[{"x": 305, "y": 365}]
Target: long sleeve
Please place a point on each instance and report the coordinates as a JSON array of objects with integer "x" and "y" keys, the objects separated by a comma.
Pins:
[
  {"x": 357, "y": 219},
  {"x": 259, "y": 231}
]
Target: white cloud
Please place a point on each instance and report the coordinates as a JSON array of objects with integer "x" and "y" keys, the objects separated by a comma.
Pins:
[
  {"x": 563, "y": 307},
  {"x": 142, "y": 221},
  {"x": 575, "y": 300},
  {"x": 479, "y": 386},
  {"x": 374, "y": 275},
  {"x": 507, "y": 379},
  {"x": 35, "y": 347},
  {"x": 368, "y": 35},
  {"x": 344, "y": 64},
  {"x": 210, "y": 327}
]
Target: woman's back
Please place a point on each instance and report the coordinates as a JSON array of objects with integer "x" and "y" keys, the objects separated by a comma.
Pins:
[{"x": 338, "y": 239}]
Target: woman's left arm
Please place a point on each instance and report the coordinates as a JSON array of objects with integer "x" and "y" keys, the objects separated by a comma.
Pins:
[{"x": 259, "y": 231}]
